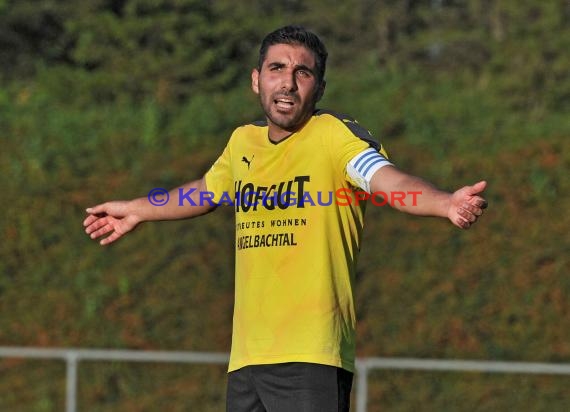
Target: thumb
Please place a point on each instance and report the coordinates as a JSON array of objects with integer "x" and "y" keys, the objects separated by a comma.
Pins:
[
  {"x": 94, "y": 210},
  {"x": 477, "y": 187}
]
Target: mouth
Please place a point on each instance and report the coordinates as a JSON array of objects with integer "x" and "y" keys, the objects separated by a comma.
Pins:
[{"x": 284, "y": 103}]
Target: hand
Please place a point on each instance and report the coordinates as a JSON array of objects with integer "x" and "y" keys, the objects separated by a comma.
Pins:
[
  {"x": 466, "y": 206},
  {"x": 110, "y": 217}
]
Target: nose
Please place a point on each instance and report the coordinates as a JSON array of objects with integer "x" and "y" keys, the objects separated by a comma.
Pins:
[{"x": 289, "y": 81}]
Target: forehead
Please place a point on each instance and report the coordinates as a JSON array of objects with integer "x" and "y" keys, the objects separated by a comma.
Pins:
[{"x": 290, "y": 54}]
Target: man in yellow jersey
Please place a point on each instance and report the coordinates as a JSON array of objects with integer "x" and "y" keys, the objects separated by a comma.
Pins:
[{"x": 298, "y": 182}]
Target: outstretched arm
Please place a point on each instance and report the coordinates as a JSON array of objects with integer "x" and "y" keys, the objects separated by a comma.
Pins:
[
  {"x": 117, "y": 218},
  {"x": 462, "y": 207}
]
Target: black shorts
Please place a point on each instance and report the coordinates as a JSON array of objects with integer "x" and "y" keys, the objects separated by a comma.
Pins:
[{"x": 286, "y": 387}]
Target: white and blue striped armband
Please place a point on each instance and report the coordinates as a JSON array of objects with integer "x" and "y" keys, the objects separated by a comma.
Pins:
[{"x": 363, "y": 166}]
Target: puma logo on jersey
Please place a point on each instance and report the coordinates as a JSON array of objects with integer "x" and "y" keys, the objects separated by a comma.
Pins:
[{"x": 248, "y": 162}]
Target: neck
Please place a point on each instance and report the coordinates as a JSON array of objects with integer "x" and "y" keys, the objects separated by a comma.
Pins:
[{"x": 276, "y": 133}]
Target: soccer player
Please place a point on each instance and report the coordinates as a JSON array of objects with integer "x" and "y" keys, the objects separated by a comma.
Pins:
[{"x": 298, "y": 182}]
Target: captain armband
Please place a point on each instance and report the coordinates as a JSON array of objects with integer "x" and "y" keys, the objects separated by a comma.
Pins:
[{"x": 363, "y": 166}]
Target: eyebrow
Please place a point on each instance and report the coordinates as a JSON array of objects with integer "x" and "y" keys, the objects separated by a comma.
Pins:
[{"x": 297, "y": 67}]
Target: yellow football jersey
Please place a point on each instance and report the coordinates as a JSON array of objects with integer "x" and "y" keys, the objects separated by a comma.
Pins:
[{"x": 297, "y": 240}]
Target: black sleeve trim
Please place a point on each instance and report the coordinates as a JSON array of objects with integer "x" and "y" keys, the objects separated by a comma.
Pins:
[{"x": 353, "y": 126}]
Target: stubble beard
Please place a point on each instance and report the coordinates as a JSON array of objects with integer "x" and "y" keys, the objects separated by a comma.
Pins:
[{"x": 290, "y": 122}]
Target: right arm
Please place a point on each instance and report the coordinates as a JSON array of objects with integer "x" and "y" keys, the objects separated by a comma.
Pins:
[{"x": 117, "y": 218}]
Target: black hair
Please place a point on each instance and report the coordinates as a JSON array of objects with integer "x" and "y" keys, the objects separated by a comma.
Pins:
[{"x": 296, "y": 35}]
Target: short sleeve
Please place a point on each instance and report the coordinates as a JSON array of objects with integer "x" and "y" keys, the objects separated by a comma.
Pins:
[
  {"x": 351, "y": 140},
  {"x": 219, "y": 178}
]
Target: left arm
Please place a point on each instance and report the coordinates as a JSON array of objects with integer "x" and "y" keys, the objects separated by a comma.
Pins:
[{"x": 462, "y": 207}]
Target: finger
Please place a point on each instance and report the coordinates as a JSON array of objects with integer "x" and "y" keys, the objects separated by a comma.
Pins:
[
  {"x": 90, "y": 219},
  {"x": 94, "y": 210},
  {"x": 103, "y": 230},
  {"x": 478, "y": 201},
  {"x": 478, "y": 187},
  {"x": 110, "y": 239},
  {"x": 473, "y": 209},
  {"x": 467, "y": 215},
  {"x": 98, "y": 223},
  {"x": 462, "y": 223}
]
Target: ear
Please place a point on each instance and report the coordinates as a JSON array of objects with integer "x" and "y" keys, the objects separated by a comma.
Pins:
[
  {"x": 255, "y": 81},
  {"x": 321, "y": 90}
]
